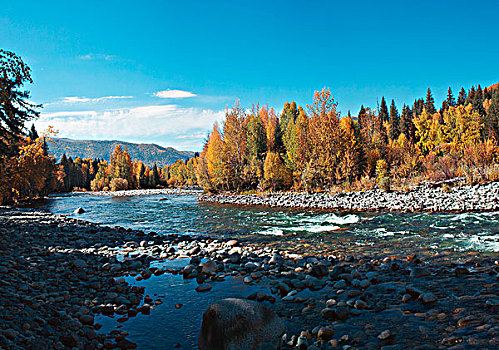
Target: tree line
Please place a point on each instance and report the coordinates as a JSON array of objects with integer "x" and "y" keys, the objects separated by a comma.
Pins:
[
  {"x": 121, "y": 173},
  {"x": 315, "y": 149}
]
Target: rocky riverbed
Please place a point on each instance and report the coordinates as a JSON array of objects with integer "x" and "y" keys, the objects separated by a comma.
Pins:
[
  {"x": 424, "y": 198},
  {"x": 59, "y": 274}
]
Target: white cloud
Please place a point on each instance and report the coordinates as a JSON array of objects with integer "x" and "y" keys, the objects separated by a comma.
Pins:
[
  {"x": 76, "y": 99},
  {"x": 174, "y": 94},
  {"x": 96, "y": 56},
  {"x": 169, "y": 125}
]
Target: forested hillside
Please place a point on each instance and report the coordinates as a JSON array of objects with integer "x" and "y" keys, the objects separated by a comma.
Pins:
[{"x": 149, "y": 154}]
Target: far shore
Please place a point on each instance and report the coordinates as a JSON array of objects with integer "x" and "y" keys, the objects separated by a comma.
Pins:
[{"x": 427, "y": 197}]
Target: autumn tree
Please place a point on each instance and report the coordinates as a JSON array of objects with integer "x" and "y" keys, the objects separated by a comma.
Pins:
[
  {"x": 211, "y": 170},
  {"x": 352, "y": 160},
  {"x": 276, "y": 175},
  {"x": 121, "y": 165},
  {"x": 325, "y": 138}
]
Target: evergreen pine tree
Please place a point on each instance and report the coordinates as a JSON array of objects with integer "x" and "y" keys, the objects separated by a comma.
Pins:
[
  {"x": 361, "y": 116},
  {"x": 383, "y": 111},
  {"x": 449, "y": 102},
  {"x": 155, "y": 175},
  {"x": 461, "y": 98},
  {"x": 430, "y": 103},
  {"x": 471, "y": 96},
  {"x": 492, "y": 118},
  {"x": 33, "y": 134},
  {"x": 478, "y": 101},
  {"x": 406, "y": 124},
  {"x": 418, "y": 106},
  {"x": 394, "y": 122}
]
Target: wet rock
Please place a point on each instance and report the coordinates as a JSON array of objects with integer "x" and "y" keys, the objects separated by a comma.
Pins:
[
  {"x": 385, "y": 335},
  {"x": 210, "y": 267},
  {"x": 276, "y": 259},
  {"x": 492, "y": 303},
  {"x": 428, "y": 298},
  {"x": 239, "y": 324},
  {"x": 87, "y": 319},
  {"x": 204, "y": 287},
  {"x": 79, "y": 211},
  {"x": 325, "y": 333},
  {"x": 361, "y": 304},
  {"x": 319, "y": 270},
  {"x": 418, "y": 272}
]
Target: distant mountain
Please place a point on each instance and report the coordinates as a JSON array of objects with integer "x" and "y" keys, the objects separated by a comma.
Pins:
[{"x": 148, "y": 153}]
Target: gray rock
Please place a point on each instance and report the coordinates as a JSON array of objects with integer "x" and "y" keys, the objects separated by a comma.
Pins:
[
  {"x": 240, "y": 324},
  {"x": 276, "y": 259},
  {"x": 203, "y": 287},
  {"x": 428, "y": 298},
  {"x": 79, "y": 211},
  {"x": 210, "y": 267}
]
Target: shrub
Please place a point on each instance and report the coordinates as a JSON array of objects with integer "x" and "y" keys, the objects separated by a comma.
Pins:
[{"x": 118, "y": 184}]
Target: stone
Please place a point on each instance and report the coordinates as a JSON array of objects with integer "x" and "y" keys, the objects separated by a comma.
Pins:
[
  {"x": 232, "y": 243},
  {"x": 79, "y": 211},
  {"x": 87, "y": 319},
  {"x": 385, "y": 335},
  {"x": 418, "y": 272},
  {"x": 428, "y": 298},
  {"x": 325, "y": 333},
  {"x": 360, "y": 304},
  {"x": 240, "y": 324},
  {"x": 276, "y": 259},
  {"x": 319, "y": 270},
  {"x": 328, "y": 313},
  {"x": 203, "y": 287},
  {"x": 210, "y": 267}
]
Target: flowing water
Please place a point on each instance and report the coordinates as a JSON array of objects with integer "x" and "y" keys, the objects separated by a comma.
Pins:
[
  {"x": 167, "y": 326},
  {"x": 183, "y": 214}
]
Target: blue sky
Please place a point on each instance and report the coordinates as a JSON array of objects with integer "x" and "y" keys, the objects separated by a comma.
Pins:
[{"x": 100, "y": 66}]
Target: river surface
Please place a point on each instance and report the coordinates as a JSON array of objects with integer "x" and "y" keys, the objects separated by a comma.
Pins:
[
  {"x": 168, "y": 327},
  {"x": 183, "y": 214}
]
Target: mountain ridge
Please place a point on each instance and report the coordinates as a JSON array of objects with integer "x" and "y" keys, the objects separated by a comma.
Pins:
[{"x": 148, "y": 153}]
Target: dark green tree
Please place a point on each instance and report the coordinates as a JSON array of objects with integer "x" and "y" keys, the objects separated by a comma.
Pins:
[
  {"x": 449, "y": 101},
  {"x": 461, "y": 98},
  {"x": 418, "y": 106},
  {"x": 406, "y": 124},
  {"x": 15, "y": 108},
  {"x": 394, "y": 122},
  {"x": 361, "y": 116},
  {"x": 477, "y": 101},
  {"x": 492, "y": 118},
  {"x": 471, "y": 96},
  {"x": 32, "y": 133},
  {"x": 383, "y": 111},
  {"x": 429, "y": 103},
  {"x": 155, "y": 175}
]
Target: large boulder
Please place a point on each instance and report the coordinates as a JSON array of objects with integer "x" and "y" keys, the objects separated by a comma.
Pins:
[{"x": 240, "y": 324}]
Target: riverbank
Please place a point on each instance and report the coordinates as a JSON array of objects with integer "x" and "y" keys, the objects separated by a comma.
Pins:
[
  {"x": 60, "y": 275},
  {"x": 423, "y": 198}
]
